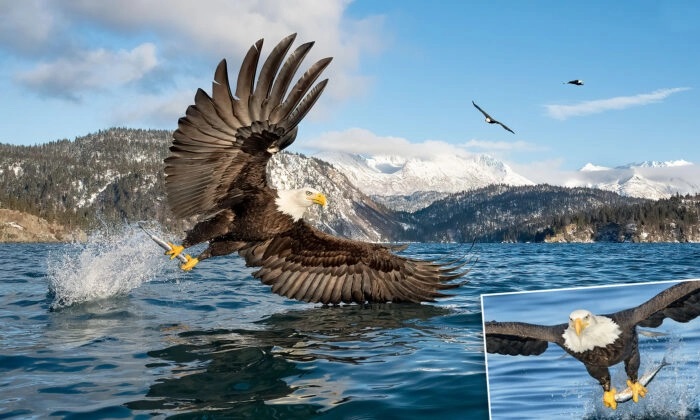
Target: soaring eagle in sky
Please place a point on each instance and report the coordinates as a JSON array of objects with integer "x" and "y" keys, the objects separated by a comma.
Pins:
[
  {"x": 216, "y": 171},
  {"x": 489, "y": 119},
  {"x": 599, "y": 341}
]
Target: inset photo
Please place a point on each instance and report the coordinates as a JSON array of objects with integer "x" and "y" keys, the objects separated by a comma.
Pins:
[{"x": 622, "y": 351}]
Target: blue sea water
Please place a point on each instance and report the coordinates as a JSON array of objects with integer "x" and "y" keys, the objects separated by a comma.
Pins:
[{"x": 112, "y": 329}]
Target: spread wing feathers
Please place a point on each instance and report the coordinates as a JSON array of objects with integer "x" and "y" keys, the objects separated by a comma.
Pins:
[
  {"x": 223, "y": 142},
  {"x": 680, "y": 302},
  {"x": 519, "y": 338},
  {"x": 504, "y": 126},
  {"x": 481, "y": 110},
  {"x": 312, "y": 266}
]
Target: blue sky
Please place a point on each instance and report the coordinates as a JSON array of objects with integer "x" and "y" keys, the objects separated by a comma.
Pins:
[{"x": 404, "y": 73}]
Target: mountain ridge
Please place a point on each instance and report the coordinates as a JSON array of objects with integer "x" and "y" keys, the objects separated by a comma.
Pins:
[{"x": 115, "y": 176}]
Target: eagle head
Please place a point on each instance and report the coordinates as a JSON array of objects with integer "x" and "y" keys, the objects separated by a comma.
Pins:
[
  {"x": 581, "y": 319},
  {"x": 587, "y": 331},
  {"x": 295, "y": 202}
]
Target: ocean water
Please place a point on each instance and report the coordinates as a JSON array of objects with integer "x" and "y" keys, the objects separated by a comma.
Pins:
[{"x": 113, "y": 329}]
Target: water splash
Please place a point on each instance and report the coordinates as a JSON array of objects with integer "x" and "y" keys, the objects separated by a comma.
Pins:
[
  {"x": 111, "y": 263},
  {"x": 672, "y": 395}
]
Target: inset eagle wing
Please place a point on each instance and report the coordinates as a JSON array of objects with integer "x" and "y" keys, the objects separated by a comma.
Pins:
[
  {"x": 680, "y": 302},
  {"x": 312, "y": 266},
  {"x": 519, "y": 338},
  {"x": 222, "y": 144}
]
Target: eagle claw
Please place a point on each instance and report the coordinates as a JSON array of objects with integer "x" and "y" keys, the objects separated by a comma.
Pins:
[
  {"x": 609, "y": 399},
  {"x": 175, "y": 250},
  {"x": 638, "y": 390}
]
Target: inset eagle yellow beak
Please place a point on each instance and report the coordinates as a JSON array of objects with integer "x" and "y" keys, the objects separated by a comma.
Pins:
[
  {"x": 578, "y": 326},
  {"x": 319, "y": 199}
]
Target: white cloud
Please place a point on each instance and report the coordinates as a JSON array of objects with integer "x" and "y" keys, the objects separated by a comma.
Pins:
[
  {"x": 361, "y": 141},
  {"x": 502, "y": 146},
  {"x": 95, "y": 69},
  {"x": 543, "y": 172},
  {"x": 26, "y": 26},
  {"x": 563, "y": 112},
  {"x": 221, "y": 28},
  {"x": 153, "y": 110},
  {"x": 78, "y": 44}
]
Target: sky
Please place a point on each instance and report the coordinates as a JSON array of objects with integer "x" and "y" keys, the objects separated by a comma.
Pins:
[{"x": 402, "y": 78}]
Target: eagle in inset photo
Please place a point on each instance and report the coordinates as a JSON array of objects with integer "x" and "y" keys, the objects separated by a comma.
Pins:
[
  {"x": 490, "y": 119},
  {"x": 577, "y": 82},
  {"x": 599, "y": 341},
  {"x": 216, "y": 172}
]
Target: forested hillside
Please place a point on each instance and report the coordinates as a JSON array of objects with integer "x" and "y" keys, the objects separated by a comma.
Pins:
[
  {"x": 106, "y": 176},
  {"x": 540, "y": 213},
  {"x": 116, "y": 176}
]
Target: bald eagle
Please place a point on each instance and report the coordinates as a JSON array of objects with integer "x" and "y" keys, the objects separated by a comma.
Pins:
[
  {"x": 216, "y": 172},
  {"x": 490, "y": 119},
  {"x": 577, "y": 82},
  {"x": 599, "y": 341}
]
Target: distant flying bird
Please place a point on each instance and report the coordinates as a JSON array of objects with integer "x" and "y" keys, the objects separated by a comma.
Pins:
[
  {"x": 599, "y": 341},
  {"x": 490, "y": 120},
  {"x": 216, "y": 171},
  {"x": 576, "y": 82}
]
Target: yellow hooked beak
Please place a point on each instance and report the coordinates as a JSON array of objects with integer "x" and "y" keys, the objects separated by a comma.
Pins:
[
  {"x": 318, "y": 199},
  {"x": 579, "y": 326}
]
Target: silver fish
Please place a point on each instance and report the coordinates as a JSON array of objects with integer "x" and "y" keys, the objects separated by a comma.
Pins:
[
  {"x": 626, "y": 395},
  {"x": 161, "y": 242}
]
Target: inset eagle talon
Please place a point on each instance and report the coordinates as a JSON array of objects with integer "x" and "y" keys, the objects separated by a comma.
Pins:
[
  {"x": 638, "y": 390},
  {"x": 609, "y": 399}
]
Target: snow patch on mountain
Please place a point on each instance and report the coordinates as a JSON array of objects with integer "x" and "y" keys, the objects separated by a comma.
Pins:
[
  {"x": 650, "y": 179},
  {"x": 384, "y": 175},
  {"x": 589, "y": 167}
]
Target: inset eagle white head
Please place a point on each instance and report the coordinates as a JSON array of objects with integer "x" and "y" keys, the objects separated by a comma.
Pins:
[
  {"x": 587, "y": 331},
  {"x": 295, "y": 202}
]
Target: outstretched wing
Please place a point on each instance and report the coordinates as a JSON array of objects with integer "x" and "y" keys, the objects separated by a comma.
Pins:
[
  {"x": 680, "y": 302},
  {"x": 223, "y": 143},
  {"x": 482, "y": 111},
  {"x": 504, "y": 126},
  {"x": 519, "y": 338},
  {"x": 312, "y": 266}
]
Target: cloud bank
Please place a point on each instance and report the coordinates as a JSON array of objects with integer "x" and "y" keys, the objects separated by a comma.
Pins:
[
  {"x": 89, "y": 70},
  {"x": 563, "y": 112},
  {"x": 365, "y": 142},
  {"x": 74, "y": 41}
]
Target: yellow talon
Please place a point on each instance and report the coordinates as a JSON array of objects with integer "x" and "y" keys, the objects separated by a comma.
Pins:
[
  {"x": 175, "y": 250},
  {"x": 637, "y": 390},
  {"x": 609, "y": 399},
  {"x": 191, "y": 262}
]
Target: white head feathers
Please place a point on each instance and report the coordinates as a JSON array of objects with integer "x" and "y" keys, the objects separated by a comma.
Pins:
[
  {"x": 587, "y": 331},
  {"x": 295, "y": 202}
]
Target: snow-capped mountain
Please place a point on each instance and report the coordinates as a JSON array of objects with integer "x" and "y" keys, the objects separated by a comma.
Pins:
[
  {"x": 657, "y": 164},
  {"x": 649, "y": 179},
  {"x": 395, "y": 175}
]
